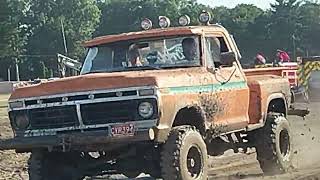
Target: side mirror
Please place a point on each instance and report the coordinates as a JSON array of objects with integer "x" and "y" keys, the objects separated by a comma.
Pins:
[{"x": 228, "y": 58}]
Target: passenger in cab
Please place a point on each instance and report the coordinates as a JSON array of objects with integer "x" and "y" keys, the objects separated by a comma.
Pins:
[{"x": 134, "y": 56}]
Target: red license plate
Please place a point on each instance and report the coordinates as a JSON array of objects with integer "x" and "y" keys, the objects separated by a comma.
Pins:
[{"x": 122, "y": 130}]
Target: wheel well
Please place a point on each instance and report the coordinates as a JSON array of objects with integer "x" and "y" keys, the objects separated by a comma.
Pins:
[
  {"x": 192, "y": 116},
  {"x": 277, "y": 105}
]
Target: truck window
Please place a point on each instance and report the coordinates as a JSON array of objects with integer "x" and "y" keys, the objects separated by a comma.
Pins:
[
  {"x": 216, "y": 46},
  {"x": 212, "y": 51},
  {"x": 223, "y": 45},
  {"x": 142, "y": 54}
]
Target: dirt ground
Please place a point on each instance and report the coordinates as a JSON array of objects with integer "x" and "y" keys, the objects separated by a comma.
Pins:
[
  {"x": 12, "y": 165},
  {"x": 228, "y": 167}
]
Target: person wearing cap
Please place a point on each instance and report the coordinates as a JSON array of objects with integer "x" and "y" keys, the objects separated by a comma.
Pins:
[
  {"x": 134, "y": 56},
  {"x": 283, "y": 56}
]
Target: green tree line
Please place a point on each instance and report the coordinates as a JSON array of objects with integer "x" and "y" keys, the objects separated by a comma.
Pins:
[{"x": 30, "y": 30}]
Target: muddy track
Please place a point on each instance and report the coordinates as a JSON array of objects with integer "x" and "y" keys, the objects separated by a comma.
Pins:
[
  {"x": 306, "y": 159},
  {"x": 230, "y": 166},
  {"x": 12, "y": 165}
]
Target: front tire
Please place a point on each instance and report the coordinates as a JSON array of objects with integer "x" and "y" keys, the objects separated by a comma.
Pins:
[
  {"x": 273, "y": 145},
  {"x": 43, "y": 165},
  {"x": 184, "y": 155}
]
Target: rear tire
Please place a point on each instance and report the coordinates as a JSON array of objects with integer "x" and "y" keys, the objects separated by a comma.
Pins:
[
  {"x": 132, "y": 174},
  {"x": 184, "y": 155},
  {"x": 43, "y": 165},
  {"x": 273, "y": 145}
]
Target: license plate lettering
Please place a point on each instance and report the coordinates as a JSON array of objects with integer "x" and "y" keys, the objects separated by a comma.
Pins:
[{"x": 122, "y": 130}]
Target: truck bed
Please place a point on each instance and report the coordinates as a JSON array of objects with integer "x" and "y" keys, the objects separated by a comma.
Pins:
[
  {"x": 262, "y": 82},
  {"x": 277, "y": 71}
]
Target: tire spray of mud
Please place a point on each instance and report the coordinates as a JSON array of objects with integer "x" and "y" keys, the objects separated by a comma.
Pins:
[{"x": 306, "y": 132}]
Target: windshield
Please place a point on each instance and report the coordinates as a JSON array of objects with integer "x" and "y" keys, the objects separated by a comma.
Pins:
[{"x": 141, "y": 55}]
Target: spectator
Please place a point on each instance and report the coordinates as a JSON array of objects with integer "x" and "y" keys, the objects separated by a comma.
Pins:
[
  {"x": 283, "y": 56},
  {"x": 260, "y": 59}
]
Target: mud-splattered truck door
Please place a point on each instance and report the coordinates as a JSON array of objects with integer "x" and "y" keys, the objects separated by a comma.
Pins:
[{"x": 229, "y": 86}]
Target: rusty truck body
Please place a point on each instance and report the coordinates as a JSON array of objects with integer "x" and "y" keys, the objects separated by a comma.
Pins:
[{"x": 163, "y": 114}]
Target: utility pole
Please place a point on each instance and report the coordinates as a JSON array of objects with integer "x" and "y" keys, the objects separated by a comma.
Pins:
[
  {"x": 65, "y": 47},
  {"x": 294, "y": 47},
  {"x": 64, "y": 38},
  {"x": 9, "y": 74},
  {"x": 17, "y": 69}
]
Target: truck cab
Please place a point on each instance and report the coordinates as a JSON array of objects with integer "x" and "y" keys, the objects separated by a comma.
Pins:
[{"x": 157, "y": 96}]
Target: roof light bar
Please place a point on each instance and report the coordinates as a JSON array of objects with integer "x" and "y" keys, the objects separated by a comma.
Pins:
[
  {"x": 146, "y": 24},
  {"x": 204, "y": 17},
  {"x": 184, "y": 20},
  {"x": 164, "y": 22}
]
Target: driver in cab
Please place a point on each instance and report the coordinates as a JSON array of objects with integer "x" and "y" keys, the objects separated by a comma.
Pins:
[{"x": 190, "y": 49}]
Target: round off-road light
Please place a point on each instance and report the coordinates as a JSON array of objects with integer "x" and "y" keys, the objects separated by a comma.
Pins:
[
  {"x": 204, "y": 17},
  {"x": 164, "y": 22},
  {"x": 21, "y": 122},
  {"x": 146, "y": 24},
  {"x": 145, "y": 109},
  {"x": 184, "y": 20}
]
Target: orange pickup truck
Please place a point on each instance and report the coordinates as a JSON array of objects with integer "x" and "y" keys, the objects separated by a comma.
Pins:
[{"x": 152, "y": 101}]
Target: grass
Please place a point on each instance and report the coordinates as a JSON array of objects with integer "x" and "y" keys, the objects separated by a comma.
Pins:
[
  {"x": 4, "y": 100},
  {"x": 3, "y": 105}
]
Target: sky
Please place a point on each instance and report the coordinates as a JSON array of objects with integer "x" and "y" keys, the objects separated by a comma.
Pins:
[{"x": 264, "y": 4}]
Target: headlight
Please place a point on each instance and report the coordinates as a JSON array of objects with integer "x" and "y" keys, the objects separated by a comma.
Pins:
[
  {"x": 16, "y": 104},
  {"x": 145, "y": 109},
  {"x": 21, "y": 121}
]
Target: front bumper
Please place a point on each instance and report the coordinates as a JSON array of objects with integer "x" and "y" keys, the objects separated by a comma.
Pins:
[{"x": 64, "y": 141}]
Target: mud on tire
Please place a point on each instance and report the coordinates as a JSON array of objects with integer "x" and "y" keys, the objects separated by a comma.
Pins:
[
  {"x": 273, "y": 145},
  {"x": 43, "y": 165},
  {"x": 184, "y": 155}
]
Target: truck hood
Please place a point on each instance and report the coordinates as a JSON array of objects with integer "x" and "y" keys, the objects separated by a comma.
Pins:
[{"x": 104, "y": 81}]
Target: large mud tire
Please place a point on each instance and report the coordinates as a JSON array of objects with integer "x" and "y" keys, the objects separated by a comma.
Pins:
[
  {"x": 184, "y": 155},
  {"x": 273, "y": 145},
  {"x": 132, "y": 174},
  {"x": 50, "y": 166}
]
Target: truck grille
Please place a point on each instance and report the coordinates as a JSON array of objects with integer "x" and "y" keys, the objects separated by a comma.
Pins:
[
  {"x": 81, "y": 97},
  {"x": 92, "y": 114},
  {"x": 109, "y": 112},
  {"x": 54, "y": 117}
]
